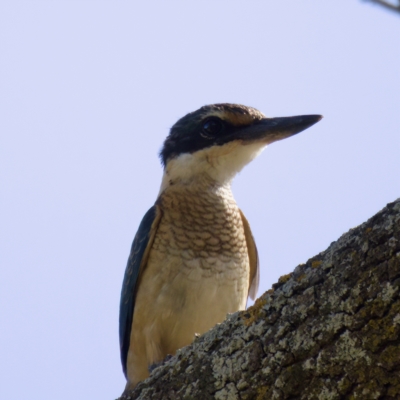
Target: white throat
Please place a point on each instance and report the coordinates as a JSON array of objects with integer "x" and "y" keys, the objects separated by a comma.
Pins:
[{"x": 218, "y": 164}]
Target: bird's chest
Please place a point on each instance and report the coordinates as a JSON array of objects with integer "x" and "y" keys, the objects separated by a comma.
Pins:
[
  {"x": 201, "y": 236},
  {"x": 198, "y": 261}
]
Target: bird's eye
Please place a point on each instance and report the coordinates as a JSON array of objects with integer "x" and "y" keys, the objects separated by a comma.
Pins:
[{"x": 212, "y": 127}]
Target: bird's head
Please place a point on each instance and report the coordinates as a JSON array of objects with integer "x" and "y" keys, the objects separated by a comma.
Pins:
[{"x": 219, "y": 140}]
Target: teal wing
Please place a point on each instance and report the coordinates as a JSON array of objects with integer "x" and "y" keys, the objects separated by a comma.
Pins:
[{"x": 137, "y": 261}]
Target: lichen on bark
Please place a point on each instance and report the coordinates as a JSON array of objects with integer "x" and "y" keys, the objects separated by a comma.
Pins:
[{"x": 329, "y": 330}]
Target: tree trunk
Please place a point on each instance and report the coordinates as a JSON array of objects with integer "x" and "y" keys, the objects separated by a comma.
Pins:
[{"x": 329, "y": 330}]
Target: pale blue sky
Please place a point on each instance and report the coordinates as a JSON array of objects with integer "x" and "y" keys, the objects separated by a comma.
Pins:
[{"x": 88, "y": 91}]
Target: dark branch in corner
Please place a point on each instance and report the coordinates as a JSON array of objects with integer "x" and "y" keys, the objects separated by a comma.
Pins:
[{"x": 392, "y": 6}]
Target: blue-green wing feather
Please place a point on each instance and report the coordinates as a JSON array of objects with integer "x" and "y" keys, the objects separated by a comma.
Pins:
[{"x": 129, "y": 285}]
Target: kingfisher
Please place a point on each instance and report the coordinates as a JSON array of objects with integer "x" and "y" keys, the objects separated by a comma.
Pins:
[{"x": 194, "y": 259}]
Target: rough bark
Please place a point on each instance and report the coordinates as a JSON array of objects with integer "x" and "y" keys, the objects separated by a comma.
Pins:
[{"x": 329, "y": 330}]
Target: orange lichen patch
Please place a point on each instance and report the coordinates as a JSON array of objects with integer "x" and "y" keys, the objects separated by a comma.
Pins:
[
  {"x": 262, "y": 392},
  {"x": 316, "y": 264},
  {"x": 285, "y": 278},
  {"x": 368, "y": 230},
  {"x": 301, "y": 277},
  {"x": 252, "y": 313}
]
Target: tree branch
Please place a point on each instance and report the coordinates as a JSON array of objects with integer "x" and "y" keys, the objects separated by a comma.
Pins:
[
  {"x": 387, "y": 5},
  {"x": 329, "y": 330}
]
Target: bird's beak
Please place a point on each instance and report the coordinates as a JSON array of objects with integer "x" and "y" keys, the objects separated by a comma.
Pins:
[{"x": 270, "y": 130}]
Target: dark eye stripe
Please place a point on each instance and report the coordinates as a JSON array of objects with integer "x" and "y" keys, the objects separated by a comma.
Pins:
[{"x": 196, "y": 132}]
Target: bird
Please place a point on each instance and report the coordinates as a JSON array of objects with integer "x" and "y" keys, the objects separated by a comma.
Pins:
[{"x": 194, "y": 259}]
